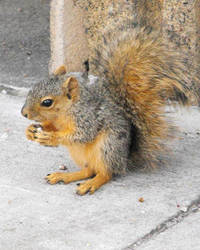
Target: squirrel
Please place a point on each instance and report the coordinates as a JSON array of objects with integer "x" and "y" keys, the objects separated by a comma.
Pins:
[{"x": 118, "y": 122}]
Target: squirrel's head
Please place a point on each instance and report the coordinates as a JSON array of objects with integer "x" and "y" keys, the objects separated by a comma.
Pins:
[{"x": 48, "y": 100}]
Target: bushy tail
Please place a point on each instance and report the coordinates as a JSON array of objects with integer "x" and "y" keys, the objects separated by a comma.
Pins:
[{"x": 142, "y": 75}]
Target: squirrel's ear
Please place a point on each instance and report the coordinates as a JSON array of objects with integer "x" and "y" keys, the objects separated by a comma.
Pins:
[
  {"x": 70, "y": 87},
  {"x": 60, "y": 70}
]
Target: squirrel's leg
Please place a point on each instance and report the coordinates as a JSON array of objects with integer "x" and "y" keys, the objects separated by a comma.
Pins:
[
  {"x": 110, "y": 158},
  {"x": 93, "y": 184},
  {"x": 69, "y": 177}
]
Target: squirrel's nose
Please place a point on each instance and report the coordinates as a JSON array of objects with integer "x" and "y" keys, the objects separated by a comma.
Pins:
[{"x": 23, "y": 112}]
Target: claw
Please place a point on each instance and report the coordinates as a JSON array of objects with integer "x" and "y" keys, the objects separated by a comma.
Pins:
[
  {"x": 31, "y": 131},
  {"x": 81, "y": 194},
  {"x": 37, "y": 126},
  {"x": 92, "y": 190}
]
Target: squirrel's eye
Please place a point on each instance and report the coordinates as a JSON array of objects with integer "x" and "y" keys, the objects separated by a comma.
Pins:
[{"x": 47, "y": 103}]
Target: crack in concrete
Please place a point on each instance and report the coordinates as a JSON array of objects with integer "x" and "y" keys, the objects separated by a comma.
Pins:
[
  {"x": 169, "y": 223},
  {"x": 14, "y": 91}
]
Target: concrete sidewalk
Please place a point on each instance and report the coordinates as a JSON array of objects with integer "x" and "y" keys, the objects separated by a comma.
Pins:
[{"x": 38, "y": 216}]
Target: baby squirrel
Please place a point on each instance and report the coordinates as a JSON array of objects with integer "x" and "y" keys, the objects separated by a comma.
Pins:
[{"x": 118, "y": 122}]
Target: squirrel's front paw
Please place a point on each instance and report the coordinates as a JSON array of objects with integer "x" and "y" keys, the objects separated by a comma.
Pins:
[
  {"x": 31, "y": 130},
  {"x": 46, "y": 138}
]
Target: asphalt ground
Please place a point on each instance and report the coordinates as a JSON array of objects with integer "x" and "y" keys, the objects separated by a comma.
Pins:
[{"x": 24, "y": 41}]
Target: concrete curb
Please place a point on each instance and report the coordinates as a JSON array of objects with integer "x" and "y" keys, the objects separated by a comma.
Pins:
[{"x": 12, "y": 90}]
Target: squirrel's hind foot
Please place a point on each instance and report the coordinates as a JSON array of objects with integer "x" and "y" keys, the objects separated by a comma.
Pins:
[{"x": 93, "y": 184}]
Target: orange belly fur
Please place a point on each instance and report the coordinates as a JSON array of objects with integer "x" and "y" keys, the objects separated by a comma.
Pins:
[{"x": 89, "y": 154}]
